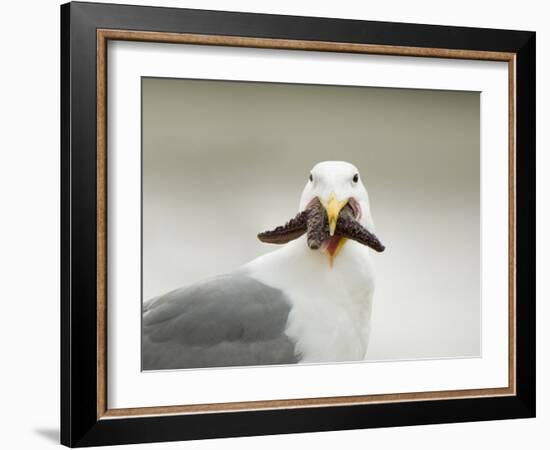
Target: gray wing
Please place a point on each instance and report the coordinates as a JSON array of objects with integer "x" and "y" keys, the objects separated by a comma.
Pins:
[{"x": 231, "y": 320}]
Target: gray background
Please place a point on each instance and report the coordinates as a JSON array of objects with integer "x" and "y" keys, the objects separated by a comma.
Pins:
[{"x": 224, "y": 160}]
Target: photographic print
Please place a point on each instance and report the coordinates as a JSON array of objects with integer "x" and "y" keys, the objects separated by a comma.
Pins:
[
  {"x": 300, "y": 224},
  {"x": 278, "y": 224}
]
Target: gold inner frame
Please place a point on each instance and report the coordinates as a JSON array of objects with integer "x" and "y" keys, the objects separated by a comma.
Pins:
[{"x": 104, "y": 35}]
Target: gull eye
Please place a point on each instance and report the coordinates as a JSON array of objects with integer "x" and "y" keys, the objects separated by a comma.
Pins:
[
  {"x": 356, "y": 178},
  {"x": 311, "y": 177}
]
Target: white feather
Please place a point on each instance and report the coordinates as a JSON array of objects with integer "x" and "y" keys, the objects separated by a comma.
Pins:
[{"x": 331, "y": 306}]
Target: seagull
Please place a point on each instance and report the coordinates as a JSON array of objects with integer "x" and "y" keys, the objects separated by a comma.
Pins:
[{"x": 308, "y": 301}]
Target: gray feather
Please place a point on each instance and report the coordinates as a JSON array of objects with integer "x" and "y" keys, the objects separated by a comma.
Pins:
[{"x": 231, "y": 320}]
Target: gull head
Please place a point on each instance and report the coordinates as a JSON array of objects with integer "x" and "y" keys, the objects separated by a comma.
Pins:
[
  {"x": 337, "y": 184},
  {"x": 334, "y": 207}
]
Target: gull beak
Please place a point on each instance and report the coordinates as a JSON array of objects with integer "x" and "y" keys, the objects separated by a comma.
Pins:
[{"x": 333, "y": 206}]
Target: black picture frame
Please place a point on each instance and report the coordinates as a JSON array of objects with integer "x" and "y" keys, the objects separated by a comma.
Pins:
[{"x": 80, "y": 425}]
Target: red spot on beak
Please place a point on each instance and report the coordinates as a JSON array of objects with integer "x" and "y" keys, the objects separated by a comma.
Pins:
[{"x": 331, "y": 244}]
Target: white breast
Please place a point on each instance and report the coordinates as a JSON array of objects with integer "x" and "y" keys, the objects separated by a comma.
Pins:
[{"x": 331, "y": 306}]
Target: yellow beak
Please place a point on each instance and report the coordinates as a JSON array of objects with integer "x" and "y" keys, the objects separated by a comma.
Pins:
[{"x": 333, "y": 207}]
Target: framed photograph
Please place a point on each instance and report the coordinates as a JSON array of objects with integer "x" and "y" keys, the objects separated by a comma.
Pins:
[{"x": 277, "y": 224}]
